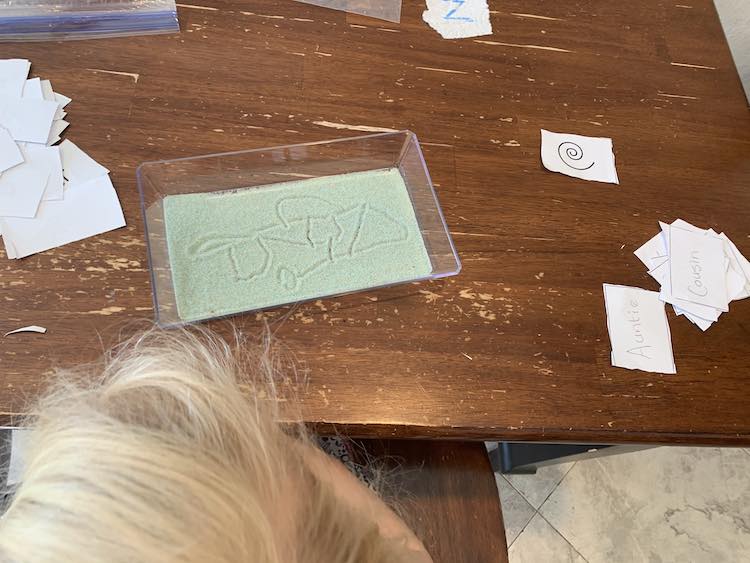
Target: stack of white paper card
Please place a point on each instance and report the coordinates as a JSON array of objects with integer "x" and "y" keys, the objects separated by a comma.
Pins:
[
  {"x": 700, "y": 271},
  {"x": 50, "y": 194}
]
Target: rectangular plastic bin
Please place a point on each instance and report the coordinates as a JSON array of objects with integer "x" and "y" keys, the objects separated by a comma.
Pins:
[{"x": 250, "y": 230}]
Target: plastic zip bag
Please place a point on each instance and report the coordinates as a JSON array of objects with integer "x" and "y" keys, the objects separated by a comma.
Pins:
[
  {"x": 41, "y": 20},
  {"x": 389, "y": 10}
]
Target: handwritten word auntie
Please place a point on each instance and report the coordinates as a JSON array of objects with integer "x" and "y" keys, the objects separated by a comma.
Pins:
[{"x": 633, "y": 317}]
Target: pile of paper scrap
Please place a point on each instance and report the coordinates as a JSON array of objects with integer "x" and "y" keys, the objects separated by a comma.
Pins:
[
  {"x": 700, "y": 271},
  {"x": 50, "y": 194}
]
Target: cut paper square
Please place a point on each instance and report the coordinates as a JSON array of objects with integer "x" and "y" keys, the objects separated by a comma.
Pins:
[
  {"x": 32, "y": 89},
  {"x": 739, "y": 265},
  {"x": 19, "y": 446},
  {"x": 688, "y": 307},
  {"x": 653, "y": 253},
  {"x": 702, "y": 324},
  {"x": 698, "y": 268},
  {"x": 661, "y": 275},
  {"x": 55, "y": 189},
  {"x": 13, "y": 73},
  {"x": 736, "y": 282},
  {"x": 27, "y": 120},
  {"x": 587, "y": 158},
  {"x": 61, "y": 99},
  {"x": 21, "y": 189},
  {"x": 10, "y": 153},
  {"x": 48, "y": 158},
  {"x": 10, "y": 251},
  {"x": 49, "y": 94},
  {"x": 77, "y": 165},
  {"x": 89, "y": 208},
  {"x": 58, "y": 126},
  {"x": 52, "y": 96},
  {"x": 638, "y": 329},
  {"x": 456, "y": 19}
]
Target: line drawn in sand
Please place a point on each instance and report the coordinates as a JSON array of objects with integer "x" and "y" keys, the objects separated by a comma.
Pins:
[{"x": 309, "y": 233}]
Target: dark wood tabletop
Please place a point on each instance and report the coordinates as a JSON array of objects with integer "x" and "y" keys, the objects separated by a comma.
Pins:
[{"x": 516, "y": 346}]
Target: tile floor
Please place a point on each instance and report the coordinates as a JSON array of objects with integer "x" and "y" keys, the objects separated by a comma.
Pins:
[{"x": 663, "y": 505}]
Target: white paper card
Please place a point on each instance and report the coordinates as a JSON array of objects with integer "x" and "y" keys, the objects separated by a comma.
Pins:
[
  {"x": 739, "y": 265},
  {"x": 736, "y": 282},
  {"x": 742, "y": 262},
  {"x": 77, "y": 165},
  {"x": 13, "y": 73},
  {"x": 62, "y": 100},
  {"x": 588, "y": 158},
  {"x": 21, "y": 189},
  {"x": 10, "y": 250},
  {"x": 19, "y": 441},
  {"x": 638, "y": 329},
  {"x": 698, "y": 268},
  {"x": 32, "y": 89},
  {"x": 702, "y": 324},
  {"x": 48, "y": 158},
  {"x": 661, "y": 275},
  {"x": 89, "y": 208},
  {"x": 704, "y": 312},
  {"x": 10, "y": 154},
  {"x": 653, "y": 253},
  {"x": 455, "y": 19},
  {"x": 682, "y": 224},
  {"x": 50, "y": 96},
  {"x": 58, "y": 126},
  {"x": 27, "y": 120},
  {"x": 47, "y": 91}
]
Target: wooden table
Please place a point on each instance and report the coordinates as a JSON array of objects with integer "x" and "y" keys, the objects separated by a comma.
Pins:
[
  {"x": 445, "y": 491},
  {"x": 516, "y": 346}
]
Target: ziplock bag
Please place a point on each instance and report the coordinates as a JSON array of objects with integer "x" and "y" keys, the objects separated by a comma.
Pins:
[{"x": 42, "y": 20}]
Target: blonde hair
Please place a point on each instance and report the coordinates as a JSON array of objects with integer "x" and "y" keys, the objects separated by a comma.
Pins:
[{"x": 164, "y": 453}]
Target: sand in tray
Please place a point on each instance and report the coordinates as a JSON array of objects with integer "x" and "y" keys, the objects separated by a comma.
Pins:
[{"x": 252, "y": 248}]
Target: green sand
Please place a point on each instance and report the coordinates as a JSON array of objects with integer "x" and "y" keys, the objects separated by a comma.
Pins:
[{"x": 253, "y": 248}]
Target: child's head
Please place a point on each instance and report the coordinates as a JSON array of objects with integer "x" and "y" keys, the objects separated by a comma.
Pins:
[{"x": 168, "y": 453}]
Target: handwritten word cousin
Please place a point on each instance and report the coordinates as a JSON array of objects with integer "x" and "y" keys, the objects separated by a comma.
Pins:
[{"x": 696, "y": 287}]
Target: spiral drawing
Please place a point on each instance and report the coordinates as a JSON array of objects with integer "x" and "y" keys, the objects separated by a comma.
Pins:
[{"x": 571, "y": 152}]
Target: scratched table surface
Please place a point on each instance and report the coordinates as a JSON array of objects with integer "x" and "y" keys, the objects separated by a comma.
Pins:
[{"x": 516, "y": 346}]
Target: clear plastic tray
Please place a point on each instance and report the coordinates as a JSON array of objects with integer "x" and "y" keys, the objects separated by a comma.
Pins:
[
  {"x": 389, "y": 10},
  {"x": 273, "y": 168}
]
